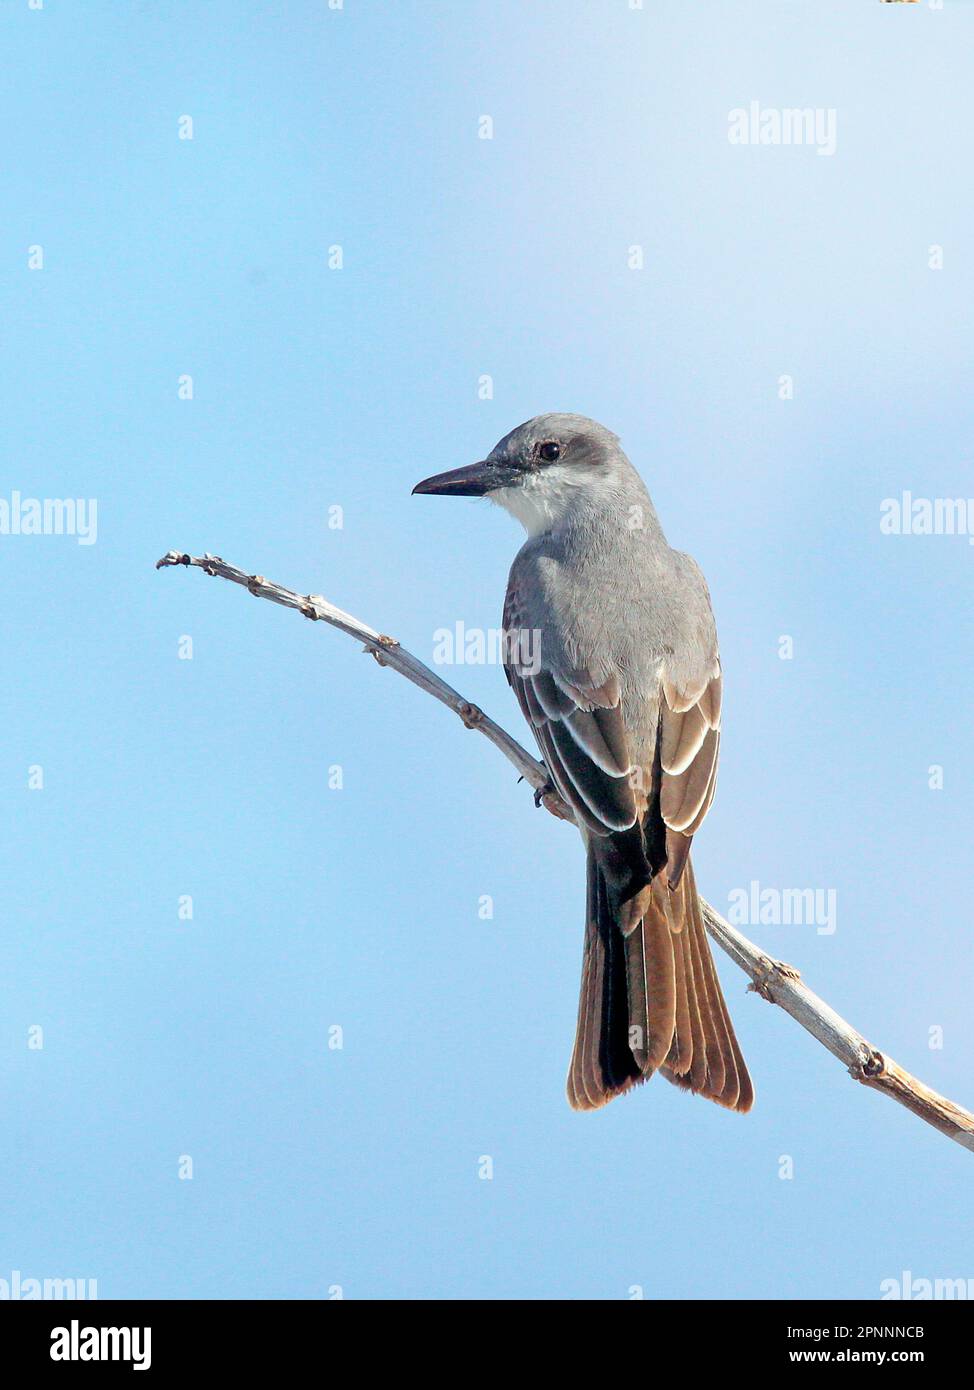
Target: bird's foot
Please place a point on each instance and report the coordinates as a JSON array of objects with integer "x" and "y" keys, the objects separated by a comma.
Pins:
[
  {"x": 541, "y": 792},
  {"x": 548, "y": 797}
]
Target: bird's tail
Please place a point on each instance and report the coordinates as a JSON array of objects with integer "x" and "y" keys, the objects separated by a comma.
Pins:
[{"x": 651, "y": 1000}]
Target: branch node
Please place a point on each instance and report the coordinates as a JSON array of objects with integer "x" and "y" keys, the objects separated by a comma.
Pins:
[
  {"x": 172, "y": 557},
  {"x": 470, "y": 715},
  {"x": 255, "y": 583},
  {"x": 309, "y": 610},
  {"x": 386, "y": 642},
  {"x": 769, "y": 970},
  {"x": 871, "y": 1065}
]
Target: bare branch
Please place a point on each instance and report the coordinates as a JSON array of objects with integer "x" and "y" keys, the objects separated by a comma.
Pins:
[
  {"x": 782, "y": 985},
  {"x": 387, "y": 652},
  {"x": 772, "y": 979}
]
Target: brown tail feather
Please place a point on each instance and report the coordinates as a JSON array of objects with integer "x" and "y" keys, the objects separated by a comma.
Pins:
[
  {"x": 651, "y": 988},
  {"x": 651, "y": 1000},
  {"x": 723, "y": 1077},
  {"x": 602, "y": 1065}
]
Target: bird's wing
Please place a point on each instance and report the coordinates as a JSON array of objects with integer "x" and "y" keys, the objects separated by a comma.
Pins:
[
  {"x": 689, "y": 746},
  {"x": 577, "y": 721}
]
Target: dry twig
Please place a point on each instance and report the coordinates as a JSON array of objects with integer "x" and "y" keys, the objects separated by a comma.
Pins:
[{"x": 772, "y": 979}]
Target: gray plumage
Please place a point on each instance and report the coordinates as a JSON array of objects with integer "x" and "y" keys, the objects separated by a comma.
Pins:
[{"x": 625, "y": 704}]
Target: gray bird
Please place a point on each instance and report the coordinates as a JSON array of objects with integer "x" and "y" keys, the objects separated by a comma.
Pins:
[{"x": 611, "y": 650}]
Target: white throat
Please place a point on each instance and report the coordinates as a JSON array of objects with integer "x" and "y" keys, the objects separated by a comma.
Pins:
[{"x": 543, "y": 500}]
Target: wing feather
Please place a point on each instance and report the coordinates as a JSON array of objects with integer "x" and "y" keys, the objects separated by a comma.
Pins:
[{"x": 578, "y": 723}]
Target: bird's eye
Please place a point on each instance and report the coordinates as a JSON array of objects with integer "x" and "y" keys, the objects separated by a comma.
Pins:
[{"x": 550, "y": 451}]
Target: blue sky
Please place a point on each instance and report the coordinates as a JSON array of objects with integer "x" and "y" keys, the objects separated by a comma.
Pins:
[{"x": 315, "y": 388}]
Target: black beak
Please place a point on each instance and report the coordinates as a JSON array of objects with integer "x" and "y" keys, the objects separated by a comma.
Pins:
[{"x": 473, "y": 481}]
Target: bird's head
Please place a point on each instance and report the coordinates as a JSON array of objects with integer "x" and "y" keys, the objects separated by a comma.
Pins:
[{"x": 539, "y": 470}]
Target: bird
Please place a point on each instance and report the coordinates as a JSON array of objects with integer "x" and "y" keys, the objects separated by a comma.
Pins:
[{"x": 611, "y": 650}]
